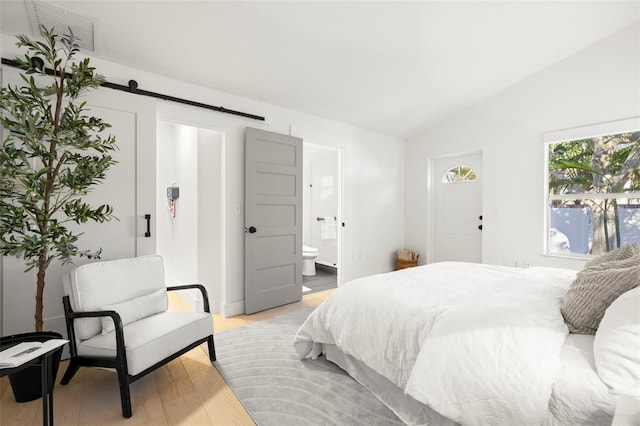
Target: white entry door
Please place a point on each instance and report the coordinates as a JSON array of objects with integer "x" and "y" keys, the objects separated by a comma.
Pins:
[
  {"x": 458, "y": 208},
  {"x": 273, "y": 220}
]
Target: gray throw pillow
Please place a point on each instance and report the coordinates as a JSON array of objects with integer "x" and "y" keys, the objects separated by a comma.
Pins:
[
  {"x": 594, "y": 289},
  {"x": 620, "y": 253},
  {"x": 615, "y": 264}
]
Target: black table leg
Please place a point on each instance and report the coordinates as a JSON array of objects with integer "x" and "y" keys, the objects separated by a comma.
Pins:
[
  {"x": 50, "y": 380},
  {"x": 47, "y": 396},
  {"x": 44, "y": 370}
]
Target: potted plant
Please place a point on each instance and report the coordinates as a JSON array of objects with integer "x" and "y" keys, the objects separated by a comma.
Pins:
[{"x": 52, "y": 154}]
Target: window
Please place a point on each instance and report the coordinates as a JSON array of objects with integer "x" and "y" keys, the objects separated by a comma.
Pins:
[
  {"x": 459, "y": 174},
  {"x": 593, "y": 188}
]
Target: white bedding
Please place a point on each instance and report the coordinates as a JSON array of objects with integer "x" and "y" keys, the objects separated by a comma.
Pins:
[
  {"x": 579, "y": 396},
  {"x": 478, "y": 343}
]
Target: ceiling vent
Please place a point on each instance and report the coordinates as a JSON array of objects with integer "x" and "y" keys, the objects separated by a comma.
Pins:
[{"x": 45, "y": 14}]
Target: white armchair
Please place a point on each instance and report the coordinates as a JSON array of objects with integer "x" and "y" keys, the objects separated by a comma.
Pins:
[{"x": 116, "y": 315}]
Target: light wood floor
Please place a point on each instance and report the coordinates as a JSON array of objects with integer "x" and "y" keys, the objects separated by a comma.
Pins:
[{"x": 187, "y": 391}]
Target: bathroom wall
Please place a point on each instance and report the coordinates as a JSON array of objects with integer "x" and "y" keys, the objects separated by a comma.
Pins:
[
  {"x": 177, "y": 235},
  {"x": 321, "y": 200}
]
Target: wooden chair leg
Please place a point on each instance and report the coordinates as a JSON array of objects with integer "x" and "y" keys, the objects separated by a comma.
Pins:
[
  {"x": 125, "y": 395},
  {"x": 72, "y": 369},
  {"x": 212, "y": 349}
]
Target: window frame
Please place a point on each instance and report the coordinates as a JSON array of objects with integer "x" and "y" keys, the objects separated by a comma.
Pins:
[{"x": 571, "y": 134}]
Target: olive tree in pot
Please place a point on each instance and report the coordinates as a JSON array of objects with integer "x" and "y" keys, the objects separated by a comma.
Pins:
[{"x": 52, "y": 154}]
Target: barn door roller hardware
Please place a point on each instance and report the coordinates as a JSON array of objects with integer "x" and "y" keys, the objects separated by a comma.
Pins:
[{"x": 133, "y": 88}]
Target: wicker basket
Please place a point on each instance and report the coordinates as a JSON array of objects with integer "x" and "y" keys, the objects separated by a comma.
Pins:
[
  {"x": 402, "y": 264},
  {"x": 406, "y": 258}
]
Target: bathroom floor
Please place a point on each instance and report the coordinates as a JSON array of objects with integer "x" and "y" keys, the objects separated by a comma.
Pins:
[{"x": 322, "y": 280}]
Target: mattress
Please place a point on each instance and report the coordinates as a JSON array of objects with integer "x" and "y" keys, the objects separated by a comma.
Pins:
[
  {"x": 410, "y": 411},
  {"x": 578, "y": 397}
]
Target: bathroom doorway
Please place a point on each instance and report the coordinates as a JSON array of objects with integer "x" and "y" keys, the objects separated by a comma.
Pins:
[
  {"x": 322, "y": 217},
  {"x": 189, "y": 208}
]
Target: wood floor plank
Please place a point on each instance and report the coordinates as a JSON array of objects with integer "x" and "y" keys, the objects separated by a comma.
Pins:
[
  {"x": 187, "y": 391},
  {"x": 215, "y": 393}
]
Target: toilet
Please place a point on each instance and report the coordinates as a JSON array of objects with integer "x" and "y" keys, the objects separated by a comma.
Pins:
[{"x": 309, "y": 255}]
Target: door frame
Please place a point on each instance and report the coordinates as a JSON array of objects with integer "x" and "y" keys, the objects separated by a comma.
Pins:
[
  {"x": 189, "y": 116},
  {"x": 340, "y": 218},
  {"x": 432, "y": 181}
]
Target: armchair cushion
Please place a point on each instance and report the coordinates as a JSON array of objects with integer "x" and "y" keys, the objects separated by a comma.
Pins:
[
  {"x": 151, "y": 339},
  {"x": 110, "y": 282},
  {"x": 135, "y": 309}
]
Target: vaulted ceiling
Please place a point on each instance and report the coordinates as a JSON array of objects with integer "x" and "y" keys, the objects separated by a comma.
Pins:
[{"x": 389, "y": 66}]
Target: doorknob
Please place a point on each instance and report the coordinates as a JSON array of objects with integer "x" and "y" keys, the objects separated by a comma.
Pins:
[
  {"x": 480, "y": 227},
  {"x": 252, "y": 229},
  {"x": 480, "y": 217}
]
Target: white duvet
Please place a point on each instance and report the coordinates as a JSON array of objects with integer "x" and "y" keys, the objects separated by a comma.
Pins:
[{"x": 480, "y": 344}]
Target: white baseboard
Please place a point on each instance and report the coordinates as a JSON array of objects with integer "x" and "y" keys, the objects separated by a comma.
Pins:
[{"x": 231, "y": 309}]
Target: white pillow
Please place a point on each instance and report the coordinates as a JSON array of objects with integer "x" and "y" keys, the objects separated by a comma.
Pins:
[
  {"x": 135, "y": 309},
  {"x": 616, "y": 346}
]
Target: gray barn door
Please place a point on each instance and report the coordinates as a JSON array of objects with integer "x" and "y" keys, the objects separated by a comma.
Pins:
[{"x": 273, "y": 220}]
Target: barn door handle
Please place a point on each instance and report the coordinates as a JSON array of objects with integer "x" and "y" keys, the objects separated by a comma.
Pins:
[{"x": 148, "y": 219}]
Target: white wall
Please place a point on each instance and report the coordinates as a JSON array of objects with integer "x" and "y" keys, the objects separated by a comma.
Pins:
[
  {"x": 373, "y": 173},
  {"x": 210, "y": 214},
  {"x": 599, "y": 84}
]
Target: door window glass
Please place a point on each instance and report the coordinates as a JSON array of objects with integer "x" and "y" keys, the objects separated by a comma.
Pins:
[{"x": 459, "y": 174}]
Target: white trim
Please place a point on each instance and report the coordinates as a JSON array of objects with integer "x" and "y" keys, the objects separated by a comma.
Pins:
[
  {"x": 231, "y": 309},
  {"x": 595, "y": 196},
  {"x": 223, "y": 222},
  {"x": 340, "y": 265},
  {"x": 431, "y": 210},
  {"x": 593, "y": 130},
  {"x": 546, "y": 221}
]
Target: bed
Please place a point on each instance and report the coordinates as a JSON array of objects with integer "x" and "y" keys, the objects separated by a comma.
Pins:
[{"x": 461, "y": 343}]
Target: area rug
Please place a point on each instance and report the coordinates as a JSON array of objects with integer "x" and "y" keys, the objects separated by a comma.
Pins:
[{"x": 260, "y": 365}]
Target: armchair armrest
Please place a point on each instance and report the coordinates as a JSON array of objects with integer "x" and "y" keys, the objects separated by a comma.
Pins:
[
  {"x": 205, "y": 296},
  {"x": 91, "y": 314},
  {"x": 70, "y": 315}
]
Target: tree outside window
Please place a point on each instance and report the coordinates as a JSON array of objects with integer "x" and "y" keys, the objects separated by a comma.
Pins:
[{"x": 594, "y": 193}]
